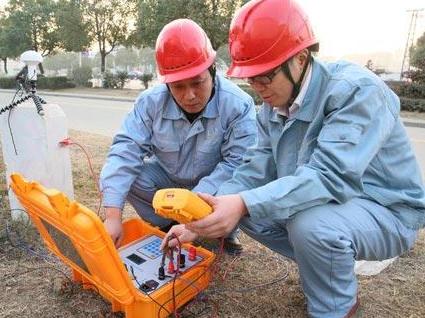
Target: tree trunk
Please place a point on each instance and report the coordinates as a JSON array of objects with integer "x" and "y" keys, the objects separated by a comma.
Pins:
[
  {"x": 41, "y": 68},
  {"x": 102, "y": 62},
  {"x": 5, "y": 64},
  {"x": 102, "y": 67}
]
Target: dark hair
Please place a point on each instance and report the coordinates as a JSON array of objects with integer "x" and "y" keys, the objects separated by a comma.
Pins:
[
  {"x": 314, "y": 48},
  {"x": 213, "y": 70}
]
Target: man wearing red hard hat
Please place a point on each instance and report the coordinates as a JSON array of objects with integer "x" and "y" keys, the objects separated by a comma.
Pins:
[
  {"x": 333, "y": 178},
  {"x": 189, "y": 132}
]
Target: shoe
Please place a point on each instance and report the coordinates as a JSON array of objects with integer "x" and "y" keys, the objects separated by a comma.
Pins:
[
  {"x": 232, "y": 246},
  {"x": 354, "y": 311}
]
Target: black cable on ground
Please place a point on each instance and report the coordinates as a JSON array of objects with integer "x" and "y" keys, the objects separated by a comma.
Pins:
[{"x": 21, "y": 244}]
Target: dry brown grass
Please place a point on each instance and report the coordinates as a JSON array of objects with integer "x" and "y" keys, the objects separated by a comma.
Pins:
[{"x": 34, "y": 287}]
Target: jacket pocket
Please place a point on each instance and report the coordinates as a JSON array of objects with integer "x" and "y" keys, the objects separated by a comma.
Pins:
[
  {"x": 208, "y": 154},
  {"x": 167, "y": 153},
  {"x": 340, "y": 133}
]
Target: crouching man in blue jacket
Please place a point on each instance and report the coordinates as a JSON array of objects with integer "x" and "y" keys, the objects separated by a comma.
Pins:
[
  {"x": 333, "y": 178},
  {"x": 190, "y": 132}
]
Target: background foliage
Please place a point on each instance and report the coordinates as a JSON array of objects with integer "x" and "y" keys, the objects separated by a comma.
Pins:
[{"x": 123, "y": 32}]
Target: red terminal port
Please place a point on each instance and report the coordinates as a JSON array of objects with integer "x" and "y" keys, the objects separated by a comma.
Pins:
[
  {"x": 192, "y": 253},
  {"x": 171, "y": 268}
]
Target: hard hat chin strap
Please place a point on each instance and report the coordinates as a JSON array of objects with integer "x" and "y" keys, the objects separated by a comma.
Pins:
[{"x": 297, "y": 85}]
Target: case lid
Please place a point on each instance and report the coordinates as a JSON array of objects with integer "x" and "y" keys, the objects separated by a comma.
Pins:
[{"x": 77, "y": 236}]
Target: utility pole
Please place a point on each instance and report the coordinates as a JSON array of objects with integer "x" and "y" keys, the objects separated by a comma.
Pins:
[{"x": 405, "y": 65}]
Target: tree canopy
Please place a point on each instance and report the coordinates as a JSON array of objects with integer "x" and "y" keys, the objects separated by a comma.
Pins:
[
  {"x": 31, "y": 24},
  {"x": 108, "y": 22},
  {"x": 417, "y": 60},
  {"x": 213, "y": 16},
  {"x": 51, "y": 26},
  {"x": 73, "y": 29}
]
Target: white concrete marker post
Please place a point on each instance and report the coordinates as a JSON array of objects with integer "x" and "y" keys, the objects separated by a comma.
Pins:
[{"x": 31, "y": 148}]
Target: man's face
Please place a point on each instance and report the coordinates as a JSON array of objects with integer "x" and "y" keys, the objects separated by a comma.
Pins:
[
  {"x": 193, "y": 94},
  {"x": 277, "y": 93},
  {"x": 273, "y": 86}
]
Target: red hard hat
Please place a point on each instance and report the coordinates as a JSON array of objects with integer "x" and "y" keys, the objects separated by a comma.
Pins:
[
  {"x": 182, "y": 51},
  {"x": 264, "y": 34}
]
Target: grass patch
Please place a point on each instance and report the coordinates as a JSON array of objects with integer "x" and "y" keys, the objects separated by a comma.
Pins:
[{"x": 36, "y": 284}]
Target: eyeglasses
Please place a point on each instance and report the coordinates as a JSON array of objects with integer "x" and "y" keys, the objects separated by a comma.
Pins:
[{"x": 264, "y": 79}]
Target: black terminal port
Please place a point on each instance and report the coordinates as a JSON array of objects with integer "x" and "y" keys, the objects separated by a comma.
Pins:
[
  {"x": 161, "y": 273},
  {"x": 182, "y": 260},
  {"x": 144, "y": 288},
  {"x": 148, "y": 286}
]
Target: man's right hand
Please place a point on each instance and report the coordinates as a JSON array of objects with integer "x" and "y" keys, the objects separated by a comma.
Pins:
[
  {"x": 113, "y": 224},
  {"x": 179, "y": 231}
]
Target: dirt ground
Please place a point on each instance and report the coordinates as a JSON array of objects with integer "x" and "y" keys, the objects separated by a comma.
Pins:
[{"x": 36, "y": 284}]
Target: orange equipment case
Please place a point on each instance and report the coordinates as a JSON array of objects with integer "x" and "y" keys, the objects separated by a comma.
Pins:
[{"x": 78, "y": 237}]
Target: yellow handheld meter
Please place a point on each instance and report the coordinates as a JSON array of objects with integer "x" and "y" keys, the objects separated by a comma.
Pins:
[{"x": 181, "y": 205}]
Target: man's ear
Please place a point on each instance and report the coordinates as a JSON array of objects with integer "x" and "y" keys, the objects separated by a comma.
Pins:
[{"x": 302, "y": 57}]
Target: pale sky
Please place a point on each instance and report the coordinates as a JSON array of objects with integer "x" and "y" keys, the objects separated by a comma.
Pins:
[{"x": 360, "y": 26}]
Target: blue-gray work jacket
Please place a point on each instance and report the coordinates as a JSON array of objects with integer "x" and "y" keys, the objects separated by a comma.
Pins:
[
  {"x": 346, "y": 140},
  {"x": 202, "y": 154}
]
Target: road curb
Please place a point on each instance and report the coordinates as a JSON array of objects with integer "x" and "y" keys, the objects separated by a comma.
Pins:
[{"x": 415, "y": 124}]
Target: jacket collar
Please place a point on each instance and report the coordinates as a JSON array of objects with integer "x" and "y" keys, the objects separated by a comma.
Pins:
[{"x": 308, "y": 108}]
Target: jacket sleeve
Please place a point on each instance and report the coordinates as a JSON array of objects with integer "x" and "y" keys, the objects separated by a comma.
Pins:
[
  {"x": 130, "y": 145},
  {"x": 358, "y": 122},
  {"x": 258, "y": 167},
  {"x": 241, "y": 134}
]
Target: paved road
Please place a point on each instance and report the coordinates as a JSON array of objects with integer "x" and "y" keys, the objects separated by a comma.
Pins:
[
  {"x": 100, "y": 116},
  {"x": 417, "y": 136},
  {"x": 103, "y": 116}
]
